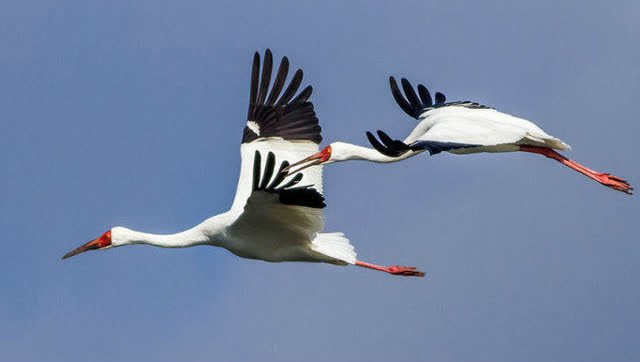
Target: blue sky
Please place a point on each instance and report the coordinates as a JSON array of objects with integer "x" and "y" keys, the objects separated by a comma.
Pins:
[{"x": 131, "y": 113}]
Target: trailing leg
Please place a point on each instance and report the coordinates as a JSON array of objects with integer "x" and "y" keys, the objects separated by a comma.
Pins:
[
  {"x": 605, "y": 179},
  {"x": 394, "y": 269}
]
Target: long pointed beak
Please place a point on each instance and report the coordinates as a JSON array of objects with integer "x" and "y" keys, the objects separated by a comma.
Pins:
[
  {"x": 101, "y": 242},
  {"x": 313, "y": 160}
]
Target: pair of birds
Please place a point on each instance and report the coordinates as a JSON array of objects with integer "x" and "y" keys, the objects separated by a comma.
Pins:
[{"x": 277, "y": 211}]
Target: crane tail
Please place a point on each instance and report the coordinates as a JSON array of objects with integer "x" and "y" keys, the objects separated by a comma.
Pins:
[
  {"x": 334, "y": 245},
  {"x": 548, "y": 141}
]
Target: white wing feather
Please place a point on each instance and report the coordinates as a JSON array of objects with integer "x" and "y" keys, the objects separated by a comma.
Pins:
[
  {"x": 485, "y": 127},
  {"x": 283, "y": 150},
  {"x": 266, "y": 229}
]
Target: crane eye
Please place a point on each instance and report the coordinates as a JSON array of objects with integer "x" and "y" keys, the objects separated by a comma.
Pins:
[{"x": 326, "y": 153}]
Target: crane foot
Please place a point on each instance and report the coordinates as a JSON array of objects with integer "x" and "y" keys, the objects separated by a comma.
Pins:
[{"x": 613, "y": 182}]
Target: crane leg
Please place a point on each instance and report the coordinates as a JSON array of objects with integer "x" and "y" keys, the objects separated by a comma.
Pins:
[
  {"x": 605, "y": 179},
  {"x": 394, "y": 269}
]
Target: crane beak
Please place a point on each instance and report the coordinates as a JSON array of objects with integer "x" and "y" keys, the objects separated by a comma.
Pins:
[
  {"x": 315, "y": 159},
  {"x": 103, "y": 241}
]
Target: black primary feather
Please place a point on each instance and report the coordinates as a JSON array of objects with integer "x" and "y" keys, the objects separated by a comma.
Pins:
[
  {"x": 397, "y": 95},
  {"x": 384, "y": 138},
  {"x": 257, "y": 160},
  {"x": 288, "y": 195},
  {"x": 294, "y": 181},
  {"x": 388, "y": 147},
  {"x": 415, "y": 105},
  {"x": 304, "y": 95},
  {"x": 411, "y": 95},
  {"x": 291, "y": 89},
  {"x": 291, "y": 118},
  {"x": 268, "y": 170},
  {"x": 266, "y": 77},
  {"x": 280, "y": 176},
  {"x": 278, "y": 84},
  {"x": 376, "y": 144},
  {"x": 253, "y": 92},
  {"x": 425, "y": 96}
]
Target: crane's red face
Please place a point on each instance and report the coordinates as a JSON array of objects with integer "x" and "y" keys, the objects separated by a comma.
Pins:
[
  {"x": 102, "y": 242},
  {"x": 323, "y": 156}
]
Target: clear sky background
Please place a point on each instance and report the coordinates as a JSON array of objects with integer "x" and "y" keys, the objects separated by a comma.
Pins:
[{"x": 131, "y": 113}]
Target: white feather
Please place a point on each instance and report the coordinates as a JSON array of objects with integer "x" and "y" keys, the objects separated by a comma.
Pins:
[
  {"x": 254, "y": 127},
  {"x": 493, "y": 130},
  {"x": 335, "y": 245}
]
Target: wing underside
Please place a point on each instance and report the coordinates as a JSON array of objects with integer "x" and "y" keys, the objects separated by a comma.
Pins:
[{"x": 280, "y": 211}]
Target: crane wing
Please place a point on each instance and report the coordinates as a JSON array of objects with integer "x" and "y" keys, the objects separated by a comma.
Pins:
[
  {"x": 285, "y": 125},
  {"x": 280, "y": 206},
  {"x": 464, "y": 130},
  {"x": 459, "y": 127},
  {"x": 288, "y": 117},
  {"x": 479, "y": 127},
  {"x": 415, "y": 105},
  {"x": 473, "y": 132}
]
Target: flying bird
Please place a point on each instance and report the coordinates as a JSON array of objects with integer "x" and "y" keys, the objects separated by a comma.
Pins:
[
  {"x": 274, "y": 217},
  {"x": 456, "y": 127}
]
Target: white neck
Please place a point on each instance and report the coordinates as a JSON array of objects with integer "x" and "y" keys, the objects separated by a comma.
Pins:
[
  {"x": 346, "y": 151},
  {"x": 195, "y": 236}
]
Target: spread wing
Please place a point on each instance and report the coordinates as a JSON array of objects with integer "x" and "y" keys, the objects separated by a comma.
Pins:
[
  {"x": 288, "y": 117},
  {"x": 415, "y": 105},
  {"x": 283, "y": 124},
  {"x": 280, "y": 206}
]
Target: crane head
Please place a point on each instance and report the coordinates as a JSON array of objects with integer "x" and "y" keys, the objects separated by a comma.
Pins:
[
  {"x": 102, "y": 242},
  {"x": 321, "y": 157}
]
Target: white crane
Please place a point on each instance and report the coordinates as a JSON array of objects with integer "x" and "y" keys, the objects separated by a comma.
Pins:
[
  {"x": 271, "y": 219},
  {"x": 456, "y": 127}
]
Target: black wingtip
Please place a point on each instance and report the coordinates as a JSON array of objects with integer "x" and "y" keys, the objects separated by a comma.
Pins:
[
  {"x": 298, "y": 196},
  {"x": 370, "y": 135},
  {"x": 409, "y": 102},
  {"x": 395, "y": 148},
  {"x": 303, "y": 96},
  {"x": 412, "y": 97},
  {"x": 425, "y": 96},
  {"x": 375, "y": 143},
  {"x": 278, "y": 113},
  {"x": 268, "y": 170},
  {"x": 400, "y": 99},
  {"x": 389, "y": 147},
  {"x": 257, "y": 159},
  {"x": 415, "y": 105},
  {"x": 384, "y": 137},
  {"x": 294, "y": 181}
]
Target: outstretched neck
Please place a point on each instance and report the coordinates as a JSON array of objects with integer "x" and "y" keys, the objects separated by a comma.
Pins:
[
  {"x": 347, "y": 151},
  {"x": 195, "y": 236}
]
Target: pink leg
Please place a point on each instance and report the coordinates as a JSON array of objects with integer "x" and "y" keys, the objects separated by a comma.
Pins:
[
  {"x": 396, "y": 270},
  {"x": 610, "y": 181}
]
